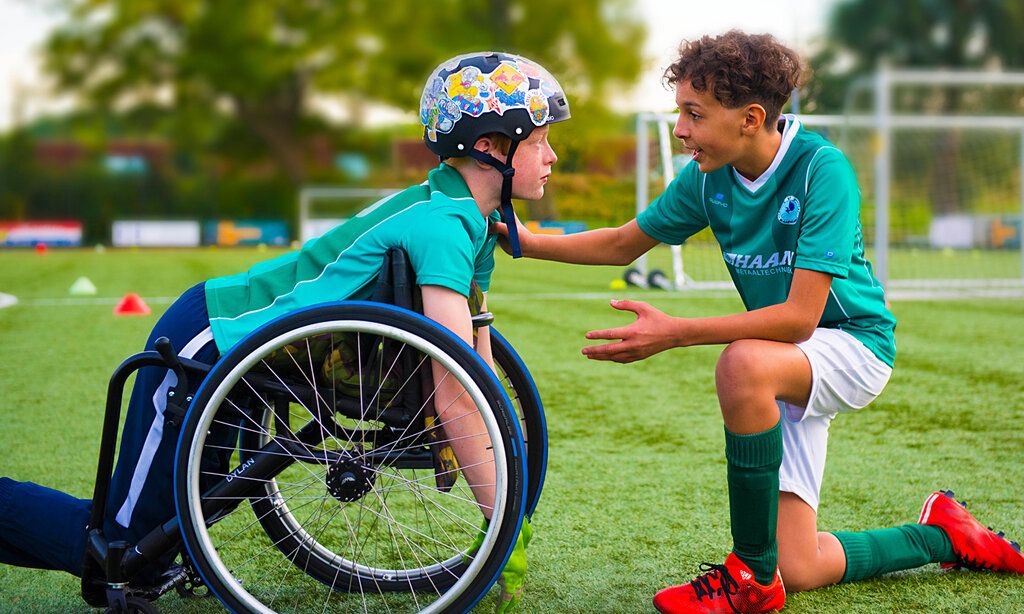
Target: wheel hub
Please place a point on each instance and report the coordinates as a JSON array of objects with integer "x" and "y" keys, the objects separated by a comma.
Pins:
[{"x": 349, "y": 480}]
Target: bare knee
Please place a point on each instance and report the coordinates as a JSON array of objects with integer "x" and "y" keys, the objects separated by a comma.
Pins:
[
  {"x": 798, "y": 574},
  {"x": 740, "y": 359},
  {"x": 808, "y": 558},
  {"x": 741, "y": 374},
  {"x": 804, "y": 567}
]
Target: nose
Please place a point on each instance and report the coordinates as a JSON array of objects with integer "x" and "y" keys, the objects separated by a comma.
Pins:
[
  {"x": 680, "y": 131},
  {"x": 551, "y": 156}
]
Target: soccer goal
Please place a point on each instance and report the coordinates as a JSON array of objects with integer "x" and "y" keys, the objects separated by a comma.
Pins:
[
  {"x": 941, "y": 191},
  {"x": 324, "y": 207}
]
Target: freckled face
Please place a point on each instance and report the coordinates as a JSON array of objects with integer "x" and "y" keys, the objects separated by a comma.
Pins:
[
  {"x": 533, "y": 160},
  {"x": 711, "y": 131}
]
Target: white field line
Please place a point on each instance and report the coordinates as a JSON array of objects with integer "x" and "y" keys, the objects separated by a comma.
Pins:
[
  {"x": 899, "y": 294},
  {"x": 76, "y": 301}
]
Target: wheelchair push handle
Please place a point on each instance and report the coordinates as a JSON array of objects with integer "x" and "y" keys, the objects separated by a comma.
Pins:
[
  {"x": 176, "y": 404},
  {"x": 166, "y": 350}
]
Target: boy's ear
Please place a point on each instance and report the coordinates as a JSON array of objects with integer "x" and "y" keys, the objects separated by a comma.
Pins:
[
  {"x": 487, "y": 145},
  {"x": 754, "y": 119}
]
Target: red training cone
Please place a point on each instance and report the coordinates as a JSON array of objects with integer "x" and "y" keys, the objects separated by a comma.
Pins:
[
  {"x": 131, "y": 305},
  {"x": 40, "y": 248}
]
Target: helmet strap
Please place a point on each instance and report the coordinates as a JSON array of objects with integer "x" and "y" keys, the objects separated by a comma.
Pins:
[{"x": 506, "y": 211}]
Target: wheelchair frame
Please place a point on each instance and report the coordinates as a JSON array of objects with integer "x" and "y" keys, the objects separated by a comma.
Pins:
[{"x": 120, "y": 561}]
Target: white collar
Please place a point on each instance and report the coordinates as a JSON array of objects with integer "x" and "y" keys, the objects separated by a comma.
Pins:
[{"x": 789, "y": 130}]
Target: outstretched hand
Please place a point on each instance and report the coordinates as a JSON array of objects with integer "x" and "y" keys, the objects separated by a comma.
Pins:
[{"x": 652, "y": 332}]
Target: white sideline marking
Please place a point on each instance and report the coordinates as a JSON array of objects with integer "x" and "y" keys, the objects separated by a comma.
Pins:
[
  {"x": 910, "y": 294},
  {"x": 901, "y": 294},
  {"x": 605, "y": 296},
  {"x": 71, "y": 302}
]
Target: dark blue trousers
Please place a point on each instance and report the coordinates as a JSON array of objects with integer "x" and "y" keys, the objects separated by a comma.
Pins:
[{"x": 44, "y": 528}]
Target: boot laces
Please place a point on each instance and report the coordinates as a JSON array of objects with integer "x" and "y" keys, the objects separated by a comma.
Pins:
[{"x": 727, "y": 585}]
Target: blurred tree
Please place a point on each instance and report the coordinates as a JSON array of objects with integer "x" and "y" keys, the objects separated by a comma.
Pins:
[
  {"x": 912, "y": 34},
  {"x": 257, "y": 64},
  {"x": 921, "y": 34}
]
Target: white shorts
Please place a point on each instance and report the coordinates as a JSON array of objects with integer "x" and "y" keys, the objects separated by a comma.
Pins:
[{"x": 845, "y": 376}]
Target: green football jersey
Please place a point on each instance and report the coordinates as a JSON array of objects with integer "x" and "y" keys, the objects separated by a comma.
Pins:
[
  {"x": 437, "y": 223},
  {"x": 803, "y": 212}
]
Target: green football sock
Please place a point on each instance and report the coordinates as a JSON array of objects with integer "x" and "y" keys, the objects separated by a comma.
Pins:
[
  {"x": 753, "y": 474},
  {"x": 873, "y": 553}
]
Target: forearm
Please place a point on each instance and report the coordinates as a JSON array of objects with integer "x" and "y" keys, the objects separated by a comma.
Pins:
[
  {"x": 610, "y": 246},
  {"x": 774, "y": 323}
]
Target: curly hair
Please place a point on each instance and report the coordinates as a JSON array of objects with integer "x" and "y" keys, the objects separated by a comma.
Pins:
[{"x": 739, "y": 69}]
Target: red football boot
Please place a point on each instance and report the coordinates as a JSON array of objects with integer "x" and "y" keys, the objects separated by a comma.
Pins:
[
  {"x": 977, "y": 548},
  {"x": 723, "y": 589}
]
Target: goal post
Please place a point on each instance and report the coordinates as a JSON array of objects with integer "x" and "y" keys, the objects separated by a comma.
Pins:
[
  {"x": 942, "y": 195},
  {"x": 322, "y": 207}
]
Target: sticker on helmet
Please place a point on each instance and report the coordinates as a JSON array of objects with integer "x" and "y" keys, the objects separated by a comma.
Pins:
[
  {"x": 514, "y": 83},
  {"x": 538, "y": 108},
  {"x": 515, "y": 100},
  {"x": 464, "y": 88},
  {"x": 507, "y": 78}
]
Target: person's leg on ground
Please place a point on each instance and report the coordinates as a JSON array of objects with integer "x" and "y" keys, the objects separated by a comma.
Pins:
[
  {"x": 141, "y": 492},
  {"x": 846, "y": 377},
  {"x": 807, "y": 558},
  {"x": 41, "y": 527}
]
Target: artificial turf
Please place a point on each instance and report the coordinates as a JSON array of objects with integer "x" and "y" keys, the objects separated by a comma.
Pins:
[{"x": 635, "y": 497}]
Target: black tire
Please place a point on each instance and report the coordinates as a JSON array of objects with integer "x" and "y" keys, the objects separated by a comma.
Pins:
[
  {"x": 522, "y": 391},
  {"x": 252, "y": 562}
]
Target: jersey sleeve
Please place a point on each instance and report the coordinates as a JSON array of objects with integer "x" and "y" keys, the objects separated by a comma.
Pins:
[
  {"x": 678, "y": 213},
  {"x": 441, "y": 252},
  {"x": 831, "y": 214}
]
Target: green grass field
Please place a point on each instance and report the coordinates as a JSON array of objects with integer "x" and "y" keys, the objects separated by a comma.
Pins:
[{"x": 635, "y": 496}]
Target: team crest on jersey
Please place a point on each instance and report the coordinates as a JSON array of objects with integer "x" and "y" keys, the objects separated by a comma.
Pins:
[{"x": 789, "y": 212}]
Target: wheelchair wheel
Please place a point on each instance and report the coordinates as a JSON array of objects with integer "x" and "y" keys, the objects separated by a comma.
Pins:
[
  {"x": 521, "y": 389},
  {"x": 304, "y": 477}
]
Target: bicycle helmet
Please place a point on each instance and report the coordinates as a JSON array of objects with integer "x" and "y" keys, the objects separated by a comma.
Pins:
[{"x": 475, "y": 94}]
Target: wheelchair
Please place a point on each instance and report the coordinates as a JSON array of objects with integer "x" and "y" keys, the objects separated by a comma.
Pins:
[{"x": 307, "y": 475}]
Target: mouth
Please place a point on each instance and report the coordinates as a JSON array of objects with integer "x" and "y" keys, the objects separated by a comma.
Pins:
[{"x": 695, "y": 152}]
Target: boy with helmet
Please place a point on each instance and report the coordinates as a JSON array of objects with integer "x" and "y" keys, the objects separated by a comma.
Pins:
[
  {"x": 486, "y": 115},
  {"x": 816, "y": 339}
]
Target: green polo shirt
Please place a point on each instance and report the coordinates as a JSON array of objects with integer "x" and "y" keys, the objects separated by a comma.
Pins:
[
  {"x": 437, "y": 223},
  {"x": 803, "y": 212}
]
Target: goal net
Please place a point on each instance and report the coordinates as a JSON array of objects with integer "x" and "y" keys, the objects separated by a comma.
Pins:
[{"x": 941, "y": 193}]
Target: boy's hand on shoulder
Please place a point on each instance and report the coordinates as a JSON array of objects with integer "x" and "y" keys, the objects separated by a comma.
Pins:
[
  {"x": 525, "y": 236},
  {"x": 652, "y": 332}
]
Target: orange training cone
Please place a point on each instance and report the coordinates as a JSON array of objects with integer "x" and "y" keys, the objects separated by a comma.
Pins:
[
  {"x": 40, "y": 248},
  {"x": 131, "y": 305}
]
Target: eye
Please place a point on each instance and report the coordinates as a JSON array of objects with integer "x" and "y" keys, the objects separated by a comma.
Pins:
[{"x": 694, "y": 116}]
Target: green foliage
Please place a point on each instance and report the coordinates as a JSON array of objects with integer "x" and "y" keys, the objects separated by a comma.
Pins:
[
  {"x": 638, "y": 444},
  {"x": 914, "y": 34},
  {"x": 599, "y": 200},
  {"x": 256, "y": 65}
]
